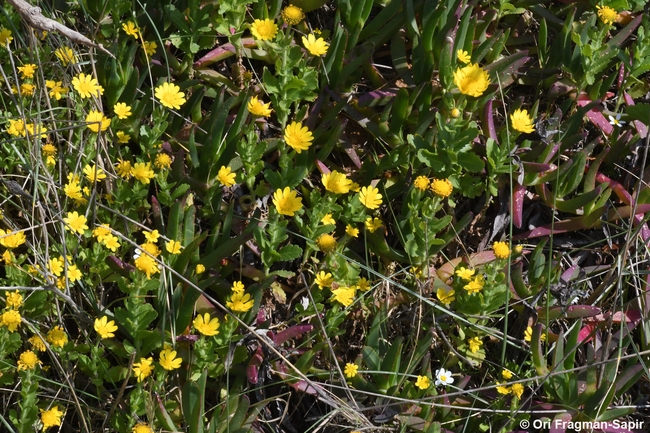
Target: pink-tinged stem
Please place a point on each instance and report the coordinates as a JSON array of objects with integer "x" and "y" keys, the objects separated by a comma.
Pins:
[
  {"x": 595, "y": 115},
  {"x": 626, "y": 198},
  {"x": 488, "y": 117},
  {"x": 223, "y": 52},
  {"x": 518, "y": 205}
]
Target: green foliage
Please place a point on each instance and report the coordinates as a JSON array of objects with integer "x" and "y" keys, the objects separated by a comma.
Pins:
[{"x": 437, "y": 151}]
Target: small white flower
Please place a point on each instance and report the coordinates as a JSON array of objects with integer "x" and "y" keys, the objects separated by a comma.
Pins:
[
  {"x": 616, "y": 121},
  {"x": 304, "y": 302},
  {"x": 137, "y": 253},
  {"x": 443, "y": 377}
]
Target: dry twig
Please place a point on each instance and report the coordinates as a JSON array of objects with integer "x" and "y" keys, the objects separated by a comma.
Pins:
[{"x": 35, "y": 19}]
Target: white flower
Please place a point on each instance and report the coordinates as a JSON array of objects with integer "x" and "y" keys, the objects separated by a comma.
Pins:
[
  {"x": 443, "y": 377},
  {"x": 617, "y": 121},
  {"x": 304, "y": 302},
  {"x": 137, "y": 253}
]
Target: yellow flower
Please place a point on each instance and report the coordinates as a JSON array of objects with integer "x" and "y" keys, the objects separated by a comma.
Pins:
[
  {"x": 351, "y": 231},
  {"x": 521, "y": 121},
  {"x": 370, "y": 197},
  {"x": 86, "y": 85},
  {"x": 55, "y": 266},
  {"x": 259, "y": 108},
  {"x": 149, "y": 47},
  {"x": 287, "y": 202},
  {"x": 5, "y": 37},
  {"x": 324, "y": 279},
  {"x": 423, "y": 382},
  {"x": 65, "y": 55},
  {"x": 199, "y": 269},
  {"x": 372, "y": 224},
  {"x": 28, "y": 70},
  {"x": 463, "y": 56},
  {"x": 316, "y": 46},
  {"x": 205, "y": 325},
  {"x": 336, "y": 182},
  {"x": 226, "y": 177},
  {"x": 51, "y": 417},
  {"x": 344, "y": 295},
  {"x": 56, "y": 89},
  {"x": 501, "y": 389},
  {"x": 328, "y": 220},
  {"x": 8, "y": 258},
  {"x": 240, "y": 302},
  {"x": 464, "y": 273},
  {"x": 14, "y": 299},
  {"x": 97, "y": 121},
  {"x": 151, "y": 236},
  {"x": 517, "y": 389},
  {"x": 173, "y": 247},
  {"x": 143, "y": 369},
  {"x": 168, "y": 359},
  {"x": 363, "y": 284},
  {"x": 350, "y": 370},
  {"x": 9, "y": 239},
  {"x": 326, "y": 243},
  {"x": 355, "y": 187},
  {"x": 297, "y": 136},
  {"x": 122, "y": 111},
  {"x": 170, "y": 95},
  {"x": 528, "y": 334},
  {"x": 49, "y": 152},
  {"x": 16, "y": 128},
  {"x": 238, "y": 286},
  {"x": 501, "y": 250},
  {"x": 163, "y": 161},
  {"x": 264, "y": 30},
  {"x": 143, "y": 172},
  {"x": 111, "y": 242},
  {"x": 27, "y": 89},
  {"x": 444, "y": 296},
  {"x": 122, "y": 137},
  {"x": 146, "y": 262},
  {"x": 442, "y": 187},
  {"x": 476, "y": 285},
  {"x": 607, "y": 15},
  {"x": 123, "y": 169},
  {"x": 74, "y": 274},
  {"x": 421, "y": 183},
  {"x": 471, "y": 80},
  {"x": 130, "y": 29},
  {"x": 57, "y": 337},
  {"x": 11, "y": 319},
  {"x": 292, "y": 15},
  {"x": 475, "y": 344},
  {"x": 506, "y": 374},
  {"x": 76, "y": 223},
  {"x": 105, "y": 328},
  {"x": 141, "y": 427},
  {"x": 37, "y": 343},
  {"x": 27, "y": 360},
  {"x": 455, "y": 113}
]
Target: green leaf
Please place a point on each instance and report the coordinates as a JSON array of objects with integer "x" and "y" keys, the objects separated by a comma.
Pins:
[
  {"x": 471, "y": 162},
  {"x": 289, "y": 252}
]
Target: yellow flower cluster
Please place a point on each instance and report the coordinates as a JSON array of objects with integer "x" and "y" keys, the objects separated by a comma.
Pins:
[
  {"x": 10, "y": 239},
  {"x": 145, "y": 259},
  {"x": 517, "y": 389},
  {"x": 239, "y": 302}
]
